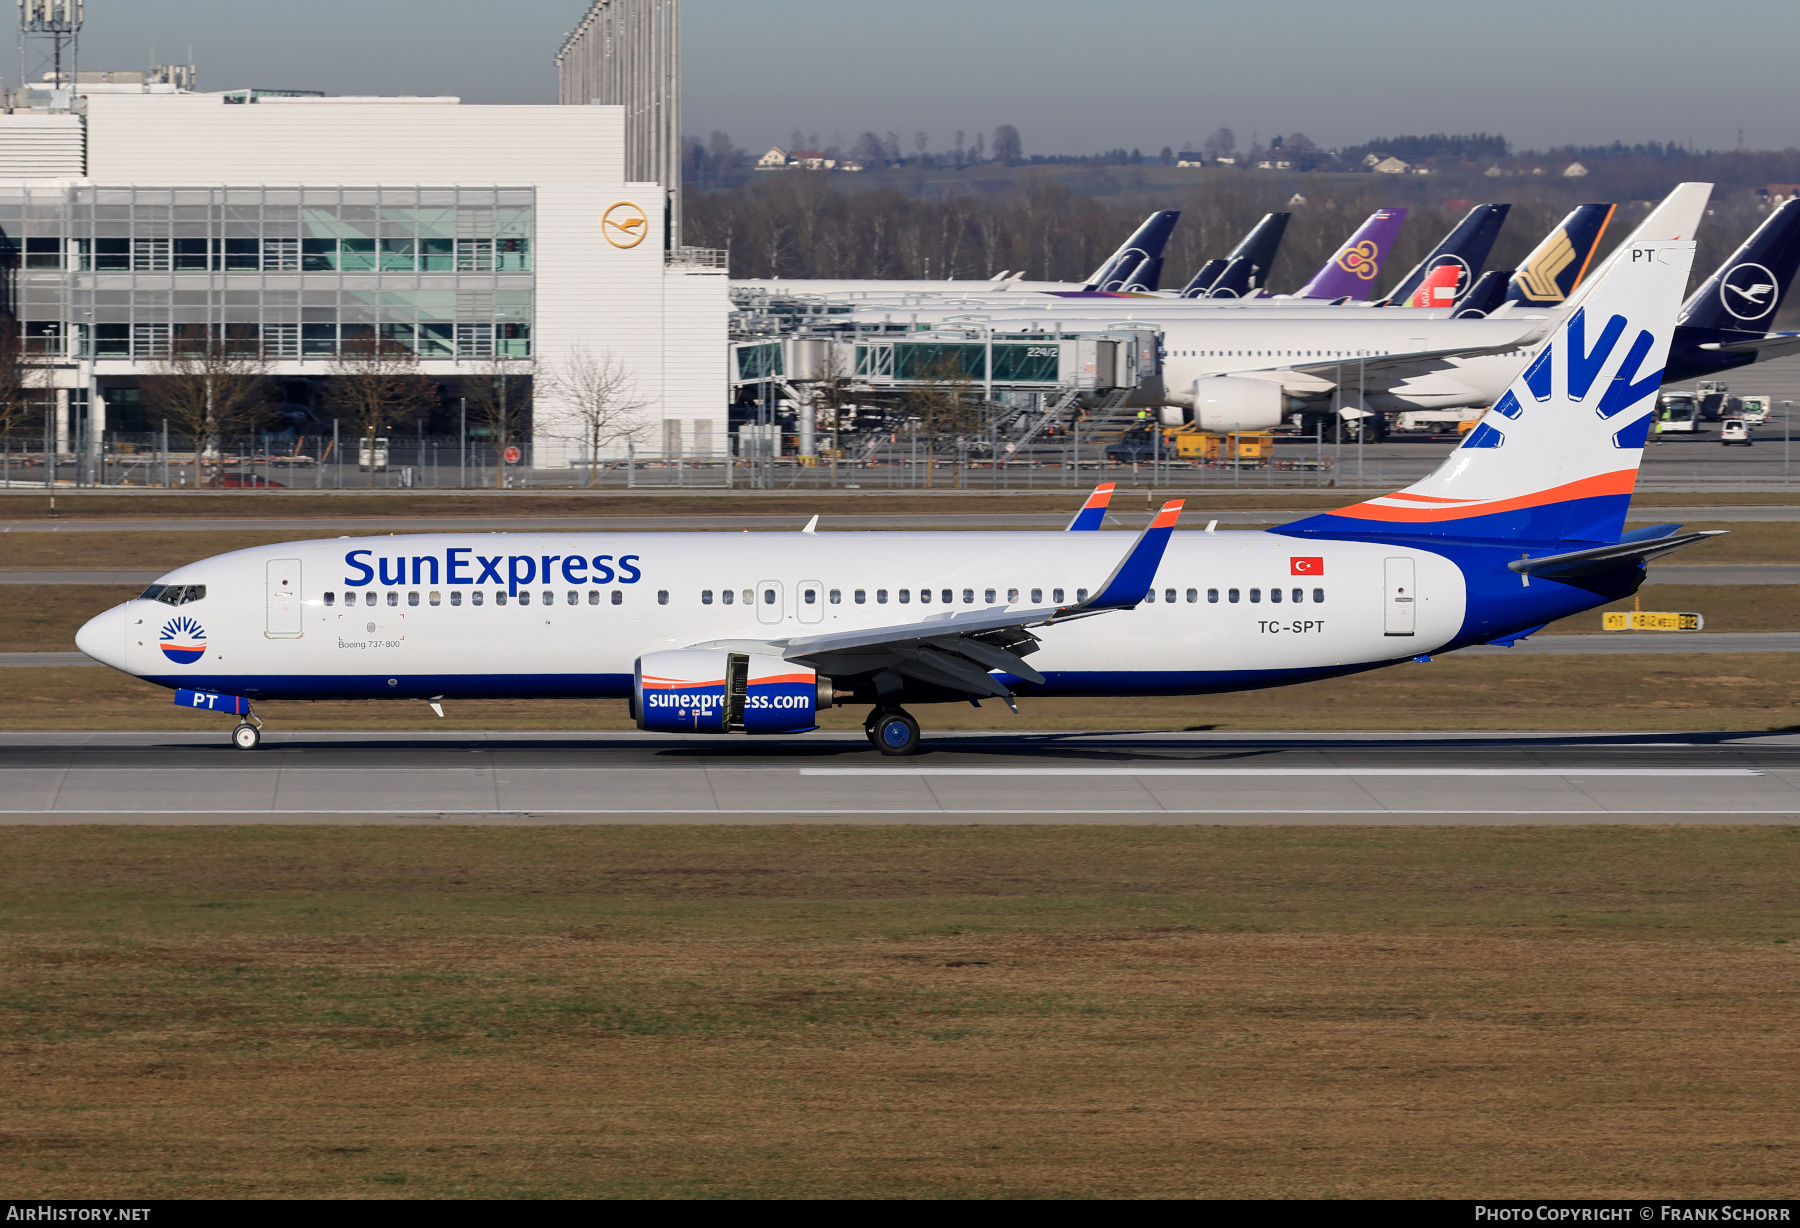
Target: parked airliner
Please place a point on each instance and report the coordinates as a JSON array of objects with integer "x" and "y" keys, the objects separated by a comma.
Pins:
[{"x": 721, "y": 633}]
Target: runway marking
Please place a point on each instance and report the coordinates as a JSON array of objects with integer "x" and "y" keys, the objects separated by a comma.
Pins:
[{"x": 1271, "y": 771}]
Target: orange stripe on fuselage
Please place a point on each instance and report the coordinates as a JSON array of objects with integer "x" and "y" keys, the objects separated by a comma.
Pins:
[{"x": 1620, "y": 482}]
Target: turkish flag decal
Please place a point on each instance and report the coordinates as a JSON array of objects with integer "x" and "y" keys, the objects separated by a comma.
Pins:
[{"x": 1307, "y": 567}]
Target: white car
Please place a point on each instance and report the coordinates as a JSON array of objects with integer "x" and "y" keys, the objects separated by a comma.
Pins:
[{"x": 1735, "y": 430}]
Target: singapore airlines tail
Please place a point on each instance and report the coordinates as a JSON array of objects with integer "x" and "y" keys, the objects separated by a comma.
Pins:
[{"x": 1557, "y": 457}]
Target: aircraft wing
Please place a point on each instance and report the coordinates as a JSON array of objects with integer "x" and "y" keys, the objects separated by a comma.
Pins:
[
  {"x": 955, "y": 650},
  {"x": 1775, "y": 345},
  {"x": 1393, "y": 368}
]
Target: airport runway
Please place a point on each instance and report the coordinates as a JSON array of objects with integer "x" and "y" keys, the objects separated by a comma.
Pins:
[{"x": 1340, "y": 778}]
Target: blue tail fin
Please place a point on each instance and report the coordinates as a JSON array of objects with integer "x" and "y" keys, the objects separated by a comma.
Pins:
[
  {"x": 1147, "y": 241},
  {"x": 1737, "y": 304},
  {"x": 1467, "y": 246},
  {"x": 1245, "y": 267}
]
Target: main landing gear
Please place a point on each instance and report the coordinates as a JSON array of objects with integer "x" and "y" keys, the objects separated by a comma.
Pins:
[
  {"x": 248, "y": 734},
  {"x": 892, "y": 731}
]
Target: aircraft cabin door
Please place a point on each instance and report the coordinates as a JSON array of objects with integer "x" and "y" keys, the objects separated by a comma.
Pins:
[
  {"x": 1399, "y": 609},
  {"x": 769, "y": 606},
  {"x": 283, "y": 599},
  {"x": 809, "y": 605}
]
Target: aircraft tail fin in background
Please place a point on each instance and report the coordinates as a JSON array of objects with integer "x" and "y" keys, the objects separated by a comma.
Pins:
[
  {"x": 1465, "y": 248},
  {"x": 1245, "y": 267},
  {"x": 1556, "y": 266},
  {"x": 1483, "y": 296},
  {"x": 1557, "y": 456},
  {"x": 1147, "y": 241},
  {"x": 1146, "y": 277},
  {"x": 1352, "y": 269},
  {"x": 1093, "y": 513},
  {"x": 1745, "y": 292}
]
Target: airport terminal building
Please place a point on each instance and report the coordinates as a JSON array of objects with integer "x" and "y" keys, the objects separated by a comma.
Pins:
[{"x": 475, "y": 236}]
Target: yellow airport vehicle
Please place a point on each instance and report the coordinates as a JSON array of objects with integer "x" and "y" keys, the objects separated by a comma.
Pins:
[{"x": 1232, "y": 447}]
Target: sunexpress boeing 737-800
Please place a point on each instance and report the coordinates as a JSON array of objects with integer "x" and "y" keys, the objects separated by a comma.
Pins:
[{"x": 721, "y": 633}]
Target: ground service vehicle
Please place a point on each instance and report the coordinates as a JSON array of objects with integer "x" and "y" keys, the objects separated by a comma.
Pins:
[
  {"x": 1735, "y": 431},
  {"x": 1677, "y": 413}
]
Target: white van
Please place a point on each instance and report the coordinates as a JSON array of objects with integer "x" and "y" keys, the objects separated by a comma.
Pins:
[{"x": 1735, "y": 430}]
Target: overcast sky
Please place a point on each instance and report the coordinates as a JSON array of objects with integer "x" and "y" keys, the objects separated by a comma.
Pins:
[{"x": 1073, "y": 75}]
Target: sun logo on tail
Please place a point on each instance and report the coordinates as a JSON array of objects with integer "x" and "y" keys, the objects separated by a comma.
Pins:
[{"x": 183, "y": 641}]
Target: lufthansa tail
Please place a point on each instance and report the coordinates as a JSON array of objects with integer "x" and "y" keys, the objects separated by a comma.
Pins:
[
  {"x": 1726, "y": 322},
  {"x": 1556, "y": 458}
]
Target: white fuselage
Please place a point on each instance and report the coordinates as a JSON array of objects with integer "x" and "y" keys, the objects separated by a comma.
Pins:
[{"x": 472, "y": 615}]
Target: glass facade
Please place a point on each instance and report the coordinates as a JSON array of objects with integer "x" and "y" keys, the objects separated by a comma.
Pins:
[{"x": 109, "y": 272}]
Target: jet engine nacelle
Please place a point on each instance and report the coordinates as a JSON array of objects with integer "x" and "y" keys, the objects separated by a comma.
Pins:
[
  {"x": 1230, "y": 403},
  {"x": 705, "y": 690}
]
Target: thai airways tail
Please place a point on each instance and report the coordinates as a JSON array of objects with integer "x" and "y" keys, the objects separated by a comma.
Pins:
[
  {"x": 1465, "y": 250},
  {"x": 1245, "y": 267},
  {"x": 1146, "y": 242},
  {"x": 1556, "y": 458},
  {"x": 1352, "y": 269},
  {"x": 1556, "y": 266}
]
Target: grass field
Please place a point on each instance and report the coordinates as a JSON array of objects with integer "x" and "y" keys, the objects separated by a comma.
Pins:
[{"x": 318, "y": 1012}]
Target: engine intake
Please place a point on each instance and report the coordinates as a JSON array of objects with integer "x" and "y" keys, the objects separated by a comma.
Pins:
[
  {"x": 705, "y": 690},
  {"x": 1232, "y": 403}
]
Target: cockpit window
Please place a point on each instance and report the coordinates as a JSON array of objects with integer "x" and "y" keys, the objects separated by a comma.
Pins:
[{"x": 174, "y": 594}]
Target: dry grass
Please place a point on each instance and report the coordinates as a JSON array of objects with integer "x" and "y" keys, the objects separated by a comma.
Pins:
[
  {"x": 1590, "y": 1012},
  {"x": 1718, "y": 691}
]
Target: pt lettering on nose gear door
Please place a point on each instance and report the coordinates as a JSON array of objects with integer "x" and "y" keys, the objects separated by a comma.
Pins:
[{"x": 1399, "y": 615}]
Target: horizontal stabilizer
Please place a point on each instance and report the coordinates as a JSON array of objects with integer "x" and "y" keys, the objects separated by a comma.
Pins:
[
  {"x": 1776, "y": 345},
  {"x": 1606, "y": 558}
]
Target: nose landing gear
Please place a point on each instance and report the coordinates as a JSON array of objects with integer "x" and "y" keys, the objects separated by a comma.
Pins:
[
  {"x": 892, "y": 731},
  {"x": 248, "y": 734}
]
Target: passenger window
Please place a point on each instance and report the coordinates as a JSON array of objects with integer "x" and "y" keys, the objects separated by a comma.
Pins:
[
  {"x": 1274, "y": 595},
  {"x": 1169, "y": 595},
  {"x": 662, "y": 596},
  {"x": 947, "y": 596},
  {"x": 1299, "y": 595},
  {"x": 837, "y": 598},
  {"x": 455, "y": 598},
  {"x": 706, "y": 596},
  {"x": 881, "y": 596},
  {"x": 1231, "y": 595},
  {"x": 969, "y": 595},
  {"x": 412, "y": 598},
  {"x": 593, "y": 596},
  {"x": 1150, "y": 597},
  {"x": 499, "y": 598},
  {"x": 768, "y": 596},
  {"x": 860, "y": 596},
  {"x": 1056, "y": 596},
  {"x": 475, "y": 597},
  {"x": 1080, "y": 595},
  {"x": 905, "y": 596},
  {"x": 330, "y": 600},
  {"x": 574, "y": 597},
  {"x": 1256, "y": 596},
  {"x": 618, "y": 597},
  {"x": 726, "y": 596},
  {"x": 749, "y": 596},
  {"x": 1318, "y": 596},
  {"x": 810, "y": 596},
  {"x": 924, "y": 596},
  {"x": 1037, "y": 596},
  {"x": 1194, "y": 595},
  {"x": 1012, "y": 596},
  {"x": 393, "y": 598},
  {"x": 524, "y": 597},
  {"x": 549, "y": 597},
  {"x": 988, "y": 596},
  {"x": 435, "y": 597}
]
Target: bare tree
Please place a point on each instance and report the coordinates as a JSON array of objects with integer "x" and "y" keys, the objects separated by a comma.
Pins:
[
  {"x": 209, "y": 384},
  {"x": 376, "y": 383},
  {"x": 499, "y": 395},
  {"x": 1007, "y": 147},
  {"x": 23, "y": 383},
  {"x": 600, "y": 396}
]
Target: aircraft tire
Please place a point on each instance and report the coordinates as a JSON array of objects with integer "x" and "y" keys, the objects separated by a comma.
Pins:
[
  {"x": 246, "y": 737},
  {"x": 896, "y": 733}
]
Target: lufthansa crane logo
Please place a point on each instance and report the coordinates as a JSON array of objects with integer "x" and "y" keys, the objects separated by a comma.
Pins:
[
  {"x": 1748, "y": 291},
  {"x": 624, "y": 224},
  {"x": 1361, "y": 260}
]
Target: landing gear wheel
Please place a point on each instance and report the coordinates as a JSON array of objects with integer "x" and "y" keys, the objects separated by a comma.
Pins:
[
  {"x": 246, "y": 737},
  {"x": 895, "y": 733}
]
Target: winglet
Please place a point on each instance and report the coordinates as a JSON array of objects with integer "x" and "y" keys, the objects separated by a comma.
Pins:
[
  {"x": 1093, "y": 512},
  {"x": 1132, "y": 579},
  {"x": 812, "y": 526}
]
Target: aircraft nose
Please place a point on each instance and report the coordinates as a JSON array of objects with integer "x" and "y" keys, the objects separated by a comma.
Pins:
[{"x": 102, "y": 637}]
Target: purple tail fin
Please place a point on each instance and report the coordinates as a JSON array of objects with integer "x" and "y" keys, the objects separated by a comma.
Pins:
[{"x": 1352, "y": 269}]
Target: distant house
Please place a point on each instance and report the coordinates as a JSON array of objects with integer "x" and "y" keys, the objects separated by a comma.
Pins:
[
  {"x": 810, "y": 159},
  {"x": 1782, "y": 191},
  {"x": 1226, "y": 161},
  {"x": 1493, "y": 172},
  {"x": 1388, "y": 166},
  {"x": 1370, "y": 159},
  {"x": 1271, "y": 164},
  {"x": 1190, "y": 158},
  {"x": 774, "y": 159},
  {"x": 1575, "y": 170},
  {"x": 1295, "y": 200}
]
